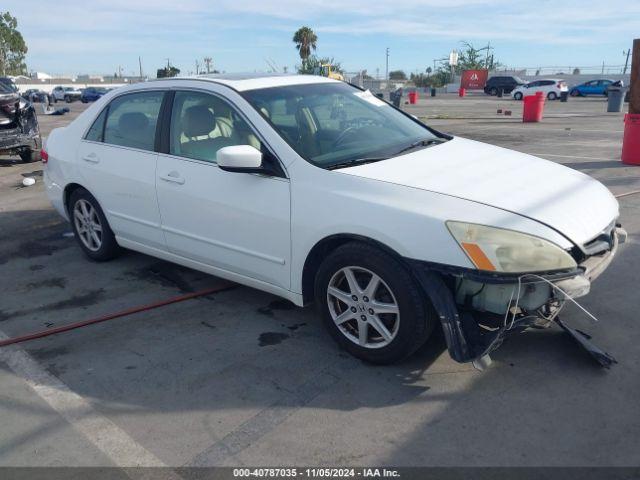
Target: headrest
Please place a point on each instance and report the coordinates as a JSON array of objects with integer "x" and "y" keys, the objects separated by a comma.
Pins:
[
  {"x": 198, "y": 120},
  {"x": 131, "y": 123}
]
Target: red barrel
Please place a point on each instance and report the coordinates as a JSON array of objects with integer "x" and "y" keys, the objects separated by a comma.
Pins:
[
  {"x": 462, "y": 91},
  {"x": 413, "y": 98},
  {"x": 631, "y": 139},
  {"x": 533, "y": 108}
]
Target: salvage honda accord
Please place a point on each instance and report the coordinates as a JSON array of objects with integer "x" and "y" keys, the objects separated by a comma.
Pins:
[{"x": 312, "y": 189}]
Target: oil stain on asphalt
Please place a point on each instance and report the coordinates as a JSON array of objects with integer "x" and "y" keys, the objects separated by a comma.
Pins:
[{"x": 271, "y": 338}]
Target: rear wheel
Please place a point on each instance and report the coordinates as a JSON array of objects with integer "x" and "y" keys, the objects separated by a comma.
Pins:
[
  {"x": 518, "y": 96},
  {"x": 552, "y": 95},
  {"x": 67, "y": 98},
  {"x": 574, "y": 93},
  {"x": 28, "y": 155},
  {"x": 493, "y": 91},
  {"x": 91, "y": 228},
  {"x": 371, "y": 305}
]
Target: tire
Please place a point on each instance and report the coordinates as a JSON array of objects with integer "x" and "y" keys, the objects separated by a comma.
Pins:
[
  {"x": 518, "y": 96},
  {"x": 360, "y": 330},
  {"x": 30, "y": 156},
  {"x": 106, "y": 248},
  {"x": 493, "y": 91},
  {"x": 552, "y": 95},
  {"x": 55, "y": 99},
  {"x": 574, "y": 93},
  {"x": 67, "y": 99}
]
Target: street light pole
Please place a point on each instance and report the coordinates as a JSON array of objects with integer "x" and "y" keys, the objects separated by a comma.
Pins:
[{"x": 386, "y": 76}]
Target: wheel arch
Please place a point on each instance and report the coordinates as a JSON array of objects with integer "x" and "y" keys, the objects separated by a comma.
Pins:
[
  {"x": 327, "y": 245},
  {"x": 68, "y": 191}
]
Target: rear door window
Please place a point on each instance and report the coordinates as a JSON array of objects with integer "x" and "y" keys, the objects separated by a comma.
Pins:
[
  {"x": 95, "y": 132},
  {"x": 132, "y": 120}
]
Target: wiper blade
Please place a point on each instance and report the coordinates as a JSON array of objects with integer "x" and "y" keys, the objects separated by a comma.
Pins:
[
  {"x": 356, "y": 161},
  {"x": 421, "y": 143}
]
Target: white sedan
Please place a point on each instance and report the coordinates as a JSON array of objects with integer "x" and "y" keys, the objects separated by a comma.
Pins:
[
  {"x": 314, "y": 190},
  {"x": 552, "y": 88}
]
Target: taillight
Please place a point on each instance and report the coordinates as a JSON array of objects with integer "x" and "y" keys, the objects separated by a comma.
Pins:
[{"x": 44, "y": 156}]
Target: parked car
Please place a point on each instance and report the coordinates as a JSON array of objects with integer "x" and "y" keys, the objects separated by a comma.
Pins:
[
  {"x": 592, "y": 87},
  {"x": 552, "y": 88},
  {"x": 91, "y": 94},
  {"x": 312, "y": 189},
  {"x": 506, "y": 83},
  {"x": 19, "y": 132},
  {"x": 35, "y": 95},
  {"x": 68, "y": 94}
]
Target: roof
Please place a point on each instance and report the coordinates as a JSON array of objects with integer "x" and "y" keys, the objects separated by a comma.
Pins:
[{"x": 252, "y": 81}]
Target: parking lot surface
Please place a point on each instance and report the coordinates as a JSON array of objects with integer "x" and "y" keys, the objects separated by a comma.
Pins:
[{"x": 243, "y": 378}]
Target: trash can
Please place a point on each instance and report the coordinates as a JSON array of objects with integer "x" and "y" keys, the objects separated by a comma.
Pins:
[
  {"x": 413, "y": 98},
  {"x": 564, "y": 96},
  {"x": 615, "y": 97},
  {"x": 631, "y": 139},
  {"x": 433, "y": 92},
  {"x": 462, "y": 92},
  {"x": 533, "y": 108},
  {"x": 396, "y": 98}
]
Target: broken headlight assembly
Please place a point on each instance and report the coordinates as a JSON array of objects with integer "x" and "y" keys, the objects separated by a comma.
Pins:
[{"x": 508, "y": 251}]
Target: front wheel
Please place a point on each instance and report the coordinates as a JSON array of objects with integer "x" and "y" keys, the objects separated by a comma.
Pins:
[
  {"x": 518, "y": 96},
  {"x": 371, "y": 305},
  {"x": 493, "y": 92},
  {"x": 574, "y": 93},
  {"x": 552, "y": 95},
  {"x": 91, "y": 228},
  {"x": 67, "y": 99}
]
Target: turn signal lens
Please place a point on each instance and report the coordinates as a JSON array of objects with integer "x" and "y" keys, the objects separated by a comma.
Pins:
[{"x": 44, "y": 156}]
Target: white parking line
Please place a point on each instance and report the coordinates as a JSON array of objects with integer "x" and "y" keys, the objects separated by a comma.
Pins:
[{"x": 110, "y": 439}]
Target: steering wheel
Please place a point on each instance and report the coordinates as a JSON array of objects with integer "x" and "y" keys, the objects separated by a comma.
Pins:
[
  {"x": 355, "y": 124},
  {"x": 345, "y": 134}
]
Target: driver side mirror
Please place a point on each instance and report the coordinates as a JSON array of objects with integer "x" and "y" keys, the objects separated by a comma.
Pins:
[{"x": 240, "y": 159}]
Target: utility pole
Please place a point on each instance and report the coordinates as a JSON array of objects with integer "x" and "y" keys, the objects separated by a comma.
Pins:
[
  {"x": 140, "y": 65},
  {"x": 207, "y": 62},
  {"x": 626, "y": 63},
  {"x": 603, "y": 67},
  {"x": 386, "y": 76},
  {"x": 197, "y": 68}
]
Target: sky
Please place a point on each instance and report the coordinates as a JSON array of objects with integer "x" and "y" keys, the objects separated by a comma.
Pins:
[{"x": 101, "y": 36}]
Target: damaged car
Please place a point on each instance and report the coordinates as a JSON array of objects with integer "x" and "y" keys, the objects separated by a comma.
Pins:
[
  {"x": 19, "y": 132},
  {"x": 317, "y": 191}
]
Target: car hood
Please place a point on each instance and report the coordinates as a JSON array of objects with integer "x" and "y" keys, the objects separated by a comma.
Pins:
[{"x": 574, "y": 204}]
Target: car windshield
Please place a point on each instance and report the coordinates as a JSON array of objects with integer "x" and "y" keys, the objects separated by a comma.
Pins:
[
  {"x": 336, "y": 124},
  {"x": 69, "y": 89},
  {"x": 6, "y": 87}
]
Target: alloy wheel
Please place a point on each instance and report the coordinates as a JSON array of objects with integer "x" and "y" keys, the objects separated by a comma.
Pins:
[
  {"x": 88, "y": 225},
  {"x": 363, "y": 307}
]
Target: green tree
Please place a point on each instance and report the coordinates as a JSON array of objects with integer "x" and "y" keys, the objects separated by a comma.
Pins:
[
  {"x": 12, "y": 47},
  {"x": 313, "y": 65},
  {"x": 168, "y": 71},
  {"x": 397, "y": 75},
  {"x": 305, "y": 40}
]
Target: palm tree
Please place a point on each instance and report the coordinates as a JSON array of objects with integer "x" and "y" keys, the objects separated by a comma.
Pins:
[{"x": 305, "y": 40}]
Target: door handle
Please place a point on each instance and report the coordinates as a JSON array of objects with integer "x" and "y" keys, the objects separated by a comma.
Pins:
[
  {"x": 91, "y": 158},
  {"x": 173, "y": 177}
]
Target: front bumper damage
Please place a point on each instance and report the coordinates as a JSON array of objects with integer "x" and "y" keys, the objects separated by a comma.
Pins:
[
  {"x": 478, "y": 309},
  {"x": 19, "y": 129}
]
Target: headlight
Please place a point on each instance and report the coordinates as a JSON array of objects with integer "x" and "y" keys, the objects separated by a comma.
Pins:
[{"x": 497, "y": 249}]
